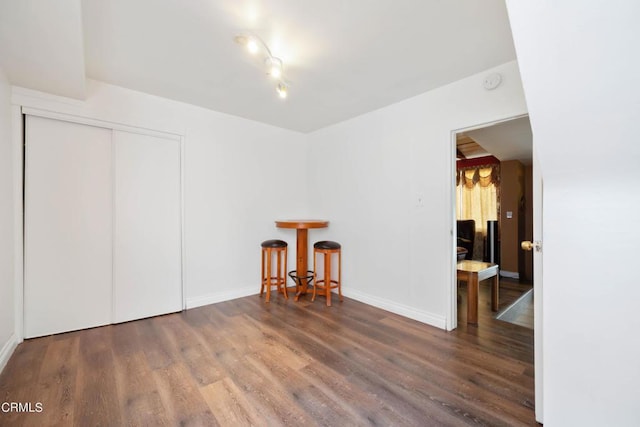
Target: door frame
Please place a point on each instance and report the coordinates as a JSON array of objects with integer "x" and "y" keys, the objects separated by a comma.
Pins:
[{"x": 452, "y": 315}]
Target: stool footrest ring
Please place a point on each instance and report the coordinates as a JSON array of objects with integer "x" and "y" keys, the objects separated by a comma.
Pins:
[{"x": 300, "y": 280}]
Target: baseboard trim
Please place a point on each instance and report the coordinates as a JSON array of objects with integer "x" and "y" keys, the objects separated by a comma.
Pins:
[
  {"x": 220, "y": 297},
  {"x": 401, "y": 309},
  {"x": 392, "y": 306},
  {"x": 7, "y": 350},
  {"x": 510, "y": 274}
]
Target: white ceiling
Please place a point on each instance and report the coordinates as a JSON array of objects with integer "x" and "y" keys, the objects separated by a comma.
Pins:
[
  {"x": 511, "y": 140},
  {"x": 343, "y": 58},
  {"x": 41, "y": 45}
]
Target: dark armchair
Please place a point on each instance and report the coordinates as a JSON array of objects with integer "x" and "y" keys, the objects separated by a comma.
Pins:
[{"x": 466, "y": 236}]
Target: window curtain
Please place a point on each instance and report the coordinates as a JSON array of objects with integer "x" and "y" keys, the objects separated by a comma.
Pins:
[{"x": 477, "y": 198}]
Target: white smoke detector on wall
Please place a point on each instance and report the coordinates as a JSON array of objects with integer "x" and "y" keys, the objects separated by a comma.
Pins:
[{"x": 492, "y": 81}]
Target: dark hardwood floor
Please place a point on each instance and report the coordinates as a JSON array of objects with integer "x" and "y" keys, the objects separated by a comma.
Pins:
[{"x": 244, "y": 362}]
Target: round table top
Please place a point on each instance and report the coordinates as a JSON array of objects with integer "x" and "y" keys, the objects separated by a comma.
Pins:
[{"x": 302, "y": 223}]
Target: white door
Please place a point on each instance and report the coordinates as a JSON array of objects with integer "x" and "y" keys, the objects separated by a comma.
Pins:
[
  {"x": 147, "y": 238},
  {"x": 68, "y": 227},
  {"x": 537, "y": 285}
]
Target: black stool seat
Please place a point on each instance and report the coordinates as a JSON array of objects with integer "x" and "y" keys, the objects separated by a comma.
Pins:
[
  {"x": 274, "y": 243},
  {"x": 326, "y": 244}
]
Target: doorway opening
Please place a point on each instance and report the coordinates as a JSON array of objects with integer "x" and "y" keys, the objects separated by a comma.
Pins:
[{"x": 493, "y": 214}]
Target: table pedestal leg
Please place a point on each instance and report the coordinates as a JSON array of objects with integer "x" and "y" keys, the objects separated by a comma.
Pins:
[
  {"x": 472, "y": 298},
  {"x": 302, "y": 255},
  {"x": 301, "y": 251},
  {"x": 495, "y": 297}
]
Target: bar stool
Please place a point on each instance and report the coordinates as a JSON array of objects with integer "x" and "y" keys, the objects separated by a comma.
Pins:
[
  {"x": 269, "y": 249},
  {"x": 327, "y": 248}
]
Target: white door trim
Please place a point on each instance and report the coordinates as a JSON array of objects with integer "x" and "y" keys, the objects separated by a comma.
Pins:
[
  {"x": 98, "y": 123},
  {"x": 17, "y": 137},
  {"x": 452, "y": 315}
]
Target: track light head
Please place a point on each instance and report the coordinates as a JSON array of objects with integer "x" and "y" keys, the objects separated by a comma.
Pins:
[
  {"x": 274, "y": 67},
  {"x": 282, "y": 90}
]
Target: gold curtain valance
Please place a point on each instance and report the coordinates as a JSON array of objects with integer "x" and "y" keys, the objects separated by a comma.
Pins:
[{"x": 483, "y": 175}]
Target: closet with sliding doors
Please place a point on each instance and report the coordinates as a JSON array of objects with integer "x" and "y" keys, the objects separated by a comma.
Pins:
[{"x": 102, "y": 224}]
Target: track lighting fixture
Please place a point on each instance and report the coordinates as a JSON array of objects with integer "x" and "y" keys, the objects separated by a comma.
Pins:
[{"x": 273, "y": 64}]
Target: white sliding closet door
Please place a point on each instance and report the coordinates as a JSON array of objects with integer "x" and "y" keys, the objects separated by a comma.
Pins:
[
  {"x": 68, "y": 227},
  {"x": 147, "y": 238}
]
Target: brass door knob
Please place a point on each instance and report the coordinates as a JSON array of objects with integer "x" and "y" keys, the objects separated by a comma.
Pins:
[{"x": 529, "y": 246}]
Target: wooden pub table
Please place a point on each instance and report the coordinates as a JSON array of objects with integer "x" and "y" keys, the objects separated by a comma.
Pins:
[
  {"x": 473, "y": 272},
  {"x": 302, "y": 227}
]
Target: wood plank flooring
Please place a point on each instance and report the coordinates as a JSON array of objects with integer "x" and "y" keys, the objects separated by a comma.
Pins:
[{"x": 244, "y": 362}]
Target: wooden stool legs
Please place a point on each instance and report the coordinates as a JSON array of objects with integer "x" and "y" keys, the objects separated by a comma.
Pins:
[
  {"x": 326, "y": 283},
  {"x": 279, "y": 280}
]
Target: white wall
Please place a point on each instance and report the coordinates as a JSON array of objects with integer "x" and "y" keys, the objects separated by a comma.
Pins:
[
  {"x": 7, "y": 339},
  {"x": 367, "y": 175},
  {"x": 240, "y": 176},
  {"x": 580, "y": 76}
]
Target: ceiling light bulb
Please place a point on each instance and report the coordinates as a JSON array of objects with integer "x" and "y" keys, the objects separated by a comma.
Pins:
[
  {"x": 282, "y": 90},
  {"x": 252, "y": 46},
  {"x": 274, "y": 67}
]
